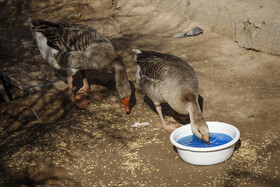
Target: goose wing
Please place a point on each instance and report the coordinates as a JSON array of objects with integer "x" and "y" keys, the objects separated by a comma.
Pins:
[
  {"x": 152, "y": 66},
  {"x": 164, "y": 67},
  {"x": 67, "y": 36}
]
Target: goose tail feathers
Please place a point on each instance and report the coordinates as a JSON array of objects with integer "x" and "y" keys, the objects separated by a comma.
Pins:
[
  {"x": 31, "y": 22},
  {"x": 137, "y": 53}
]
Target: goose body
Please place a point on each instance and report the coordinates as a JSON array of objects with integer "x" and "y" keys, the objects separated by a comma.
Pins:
[
  {"x": 73, "y": 47},
  {"x": 168, "y": 79}
]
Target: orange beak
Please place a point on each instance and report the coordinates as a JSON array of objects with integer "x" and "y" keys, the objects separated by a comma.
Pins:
[
  {"x": 206, "y": 139},
  {"x": 125, "y": 102}
]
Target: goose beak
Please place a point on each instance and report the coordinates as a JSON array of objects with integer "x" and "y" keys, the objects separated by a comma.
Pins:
[
  {"x": 125, "y": 102},
  {"x": 206, "y": 139}
]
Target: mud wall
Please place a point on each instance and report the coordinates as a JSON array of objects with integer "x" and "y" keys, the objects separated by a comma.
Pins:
[{"x": 253, "y": 24}]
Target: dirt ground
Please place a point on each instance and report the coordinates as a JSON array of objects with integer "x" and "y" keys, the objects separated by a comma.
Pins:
[{"x": 45, "y": 140}]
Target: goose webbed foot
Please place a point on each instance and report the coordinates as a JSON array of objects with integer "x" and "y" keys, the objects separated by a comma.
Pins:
[
  {"x": 166, "y": 126},
  {"x": 170, "y": 128},
  {"x": 170, "y": 120},
  {"x": 94, "y": 95},
  {"x": 81, "y": 101}
]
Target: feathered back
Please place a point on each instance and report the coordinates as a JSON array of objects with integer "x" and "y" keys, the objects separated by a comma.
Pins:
[
  {"x": 75, "y": 46},
  {"x": 67, "y": 36},
  {"x": 162, "y": 67}
]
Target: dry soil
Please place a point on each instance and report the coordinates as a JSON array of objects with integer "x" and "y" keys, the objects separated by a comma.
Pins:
[{"x": 45, "y": 140}]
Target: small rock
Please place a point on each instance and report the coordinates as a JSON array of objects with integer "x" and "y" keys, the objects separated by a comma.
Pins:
[{"x": 194, "y": 32}]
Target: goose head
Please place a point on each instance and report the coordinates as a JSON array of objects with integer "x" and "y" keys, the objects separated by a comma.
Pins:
[
  {"x": 198, "y": 124},
  {"x": 200, "y": 129},
  {"x": 124, "y": 91},
  {"x": 122, "y": 83}
]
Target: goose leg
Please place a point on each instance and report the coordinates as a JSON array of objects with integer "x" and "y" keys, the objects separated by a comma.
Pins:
[
  {"x": 90, "y": 93},
  {"x": 166, "y": 127},
  {"x": 70, "y": 88},
  {"x": 80, "y": 101},
  {"x": 158, "y": 108}
]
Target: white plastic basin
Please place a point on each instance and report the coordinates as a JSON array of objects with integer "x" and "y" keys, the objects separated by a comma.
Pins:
[{"x": 209, "y": 155}]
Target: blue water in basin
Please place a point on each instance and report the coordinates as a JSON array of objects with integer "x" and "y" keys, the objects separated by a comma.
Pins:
[{"x": 216, "y": 139}]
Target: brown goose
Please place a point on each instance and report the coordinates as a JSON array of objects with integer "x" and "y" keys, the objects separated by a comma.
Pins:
[
  {"x": 168, "y": 79},
  {"x": 73, "y": 47}
]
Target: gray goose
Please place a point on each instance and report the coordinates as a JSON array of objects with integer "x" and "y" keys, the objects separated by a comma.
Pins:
[
  {"x": 73, "y": 47},
  {"x": 166, "y": 78}
]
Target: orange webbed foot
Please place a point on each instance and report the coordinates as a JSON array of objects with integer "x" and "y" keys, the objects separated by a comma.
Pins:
[
  {"x": 94, "y": 95},
  {"x": 81, "y": 101},
  {"x": 170, "y": 128}
]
